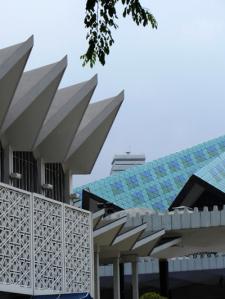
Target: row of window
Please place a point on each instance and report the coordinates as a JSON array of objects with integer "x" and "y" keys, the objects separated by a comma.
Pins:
[{"x": 25, "y": 164}]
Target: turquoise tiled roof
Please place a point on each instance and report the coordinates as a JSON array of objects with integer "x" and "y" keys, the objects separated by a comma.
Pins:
[
  {"x": 214, "y": 172},
  {"x": 157, "y": 183}
]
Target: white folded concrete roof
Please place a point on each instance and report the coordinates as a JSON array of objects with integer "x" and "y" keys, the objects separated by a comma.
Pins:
[
  {"x": 12, "y": 63},
  {"x": 144, "y": 246},
  {"x": 126, "y": 240},
  {"x": 96, "y": 217},
  {"x": 105, "y": 234},
  {"x": 58, "y": 126},
  {"x": 30, "y": 105},
  {"x": 91, "y": 134},
  {"x": 187, "y": 233},
  {"x": 165, "y": 246},
  {"x": 63, "y": 120}
]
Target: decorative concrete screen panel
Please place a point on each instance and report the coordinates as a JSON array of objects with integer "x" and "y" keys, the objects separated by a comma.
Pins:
[
  {"x": 48, "y": 245},
  {"x": 15, "y": 240},
  {"x": 45, "y": 246},
  {"x": 77, "y": 250}
]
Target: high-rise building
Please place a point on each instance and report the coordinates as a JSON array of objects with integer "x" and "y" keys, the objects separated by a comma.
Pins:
[{"x": 125, "y": 161}]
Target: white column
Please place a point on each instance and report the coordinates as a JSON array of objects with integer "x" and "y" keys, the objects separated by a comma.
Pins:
[
  {"x": 116, "y": 278},
  {"x": 40, "y": 175},
  {"x": 96, "y": 274},
  {"x": 135, "y": 286},
  {"x": 8, "y": 164}
]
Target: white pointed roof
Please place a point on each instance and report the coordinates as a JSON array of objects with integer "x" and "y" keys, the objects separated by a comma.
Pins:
[
  {"x": 57, "y": 126},
  {"x": 91, "y": 134},
  {"x": 30, "y": 105},
  {"x": 63, "y": 120},
  {"x": 12, "y": 63}
]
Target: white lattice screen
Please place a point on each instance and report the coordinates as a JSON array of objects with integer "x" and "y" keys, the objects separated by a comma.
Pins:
[
  {"x": 45, "y": 246},
  {"x": 77, "y": 250},
  {"x": 48, "y": 245},
  {"x": 15, "y": 240}
]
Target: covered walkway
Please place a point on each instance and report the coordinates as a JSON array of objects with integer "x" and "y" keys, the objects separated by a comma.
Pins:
[{"x": 124, "y": 238}]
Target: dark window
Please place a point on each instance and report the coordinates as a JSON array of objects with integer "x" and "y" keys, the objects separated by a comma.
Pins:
[
  {"x": 25, "y": 164},
  {"x": 54, "y": 175}
]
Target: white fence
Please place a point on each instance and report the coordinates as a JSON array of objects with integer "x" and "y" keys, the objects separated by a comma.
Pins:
[
  {"x": 151, "y": 266},
  {"x": 180, "y": 220},
  {"x": 45, "y": 246}
]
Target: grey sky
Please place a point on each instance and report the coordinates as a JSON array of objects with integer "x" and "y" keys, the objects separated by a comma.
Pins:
[{"x": 173, "y": 77}]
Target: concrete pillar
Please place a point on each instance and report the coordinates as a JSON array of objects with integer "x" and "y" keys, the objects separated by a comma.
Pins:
[
  {"x": 164, "y": 277},
  {"x": 8, "y": 164},
  {"x": 122, "y": 282},
  {"x": 96, "y": 275},
  {"x": 135, "y": 284},
  {"x": 40, "y": 175},
  {"x": 68, "y": 186},
  {"x": 116, "y": 278}
]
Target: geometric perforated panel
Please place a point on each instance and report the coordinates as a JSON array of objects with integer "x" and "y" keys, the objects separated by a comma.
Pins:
[
  {"x": 45, "y": 246},
  {"x": 15, "y": 240},
  {"x": 48, "y": 245},
  {"x": 78, "y": 267}
]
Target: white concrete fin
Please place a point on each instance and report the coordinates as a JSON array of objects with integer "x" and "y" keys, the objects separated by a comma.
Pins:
[
  {"x": 156, "y": 222},
  {"x": 215, "y": 216},
  {"x": 167, "y": 221},
  {"x": 12, "y": 63},
  {"x": 195, "y": 218},
  {"x": 166, "y": 245},
  {"x": 11, "y": 55},
  {"x": 176, "y": 220},
  {"x": 125, "y": 241},
  {"x": 65, "y": 100},
  {"x": 91, "y": 135},
  {"x": 104, "y": 235},
  {"x": 31, "y": 85},
  {"x": 143, "y": 247},
  {"x": 93, "y": 117},
  {"x": 30, "y": 105},
  {"x": 186, "y": 220},
  {"x": 179, "y": 264},
  {"x": 99, "y": 108},
  {"x": 129, "y": 221},
  {"x": 205, "y": 217},
  {"x": 222, "y": 216},
  {"x": 96, "y": 217},
  {"x": 63, "y": 120}
]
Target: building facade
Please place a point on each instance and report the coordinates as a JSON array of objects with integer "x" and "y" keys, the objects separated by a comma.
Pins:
[
  {"x": 47, "y": 134},
  {"x": 180, "y": 199},
  {"x": 125, "y": 161}
]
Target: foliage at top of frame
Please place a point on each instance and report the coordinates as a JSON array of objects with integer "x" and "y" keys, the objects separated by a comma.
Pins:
[{"x": 101, "y": 18}]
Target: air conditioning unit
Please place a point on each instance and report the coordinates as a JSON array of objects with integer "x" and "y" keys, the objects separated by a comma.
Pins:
[
  {"x": 16, "y": 175},
  {"x": 47, "y": 186}
]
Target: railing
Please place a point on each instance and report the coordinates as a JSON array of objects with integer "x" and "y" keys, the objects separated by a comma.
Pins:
[
  {"x": 180, "y": 220},
  {"x": 45, "y": 246},
  {"x": 151, "y": 266}
]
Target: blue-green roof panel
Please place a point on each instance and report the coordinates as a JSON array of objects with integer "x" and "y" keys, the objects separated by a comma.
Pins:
[
  {"x": 214, "y": 172},
  {"x": 157, "y": 183}
]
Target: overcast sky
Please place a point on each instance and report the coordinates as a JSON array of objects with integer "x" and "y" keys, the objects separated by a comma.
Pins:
[{"x": 173, "y": 77}]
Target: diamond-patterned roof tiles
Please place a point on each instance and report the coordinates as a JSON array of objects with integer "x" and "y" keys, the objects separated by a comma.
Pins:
[{"x": 157, "y": 183}]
